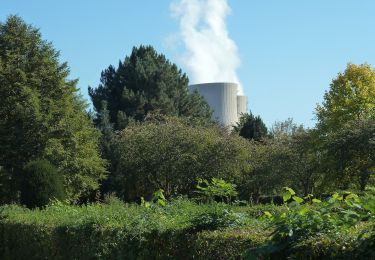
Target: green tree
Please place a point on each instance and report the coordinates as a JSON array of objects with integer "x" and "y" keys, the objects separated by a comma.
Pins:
[
  {"x": 304, "y": 154},
  {"x": 285, "y": 129},
  {"x": 251, "y": 127},
  {"x": 351, "y": 97},
  {"x": 350, "y": 154},
  {"x": 41, "y": 114},
  {"x": 146, "y": 81},
  {"x": 290, "y": 156},
  {"x": 269, "y": 169},
  {"x": 41, "y": 183},
  {"x": 344, "y": 121},
  {"x": 305, "y": 160},
  {"x": 170, "y": 154}
]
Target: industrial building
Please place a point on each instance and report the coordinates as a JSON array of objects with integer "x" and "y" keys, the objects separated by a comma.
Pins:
[{"x": 222, "y": 97}]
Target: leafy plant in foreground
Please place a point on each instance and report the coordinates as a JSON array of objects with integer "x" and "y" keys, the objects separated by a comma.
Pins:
[
  {"x": 307, "y": 217},
  {"x": 158, "y": 198},
  {"x": 217, "y": 188}
]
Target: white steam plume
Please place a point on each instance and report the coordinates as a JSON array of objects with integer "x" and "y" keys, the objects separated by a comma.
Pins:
[{"x": 211, "y": 55}]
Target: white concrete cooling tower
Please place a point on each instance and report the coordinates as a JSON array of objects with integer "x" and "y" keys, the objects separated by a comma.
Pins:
[
  {"x": 223, "y": 100},
  {"x": 241, "y": 105}
]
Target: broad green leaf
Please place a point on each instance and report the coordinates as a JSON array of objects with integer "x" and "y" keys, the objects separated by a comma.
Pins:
[
  {"x": 286, "y": 196},
  {"x": 297, "y": 199},
  {"x": 316, "y": 201},
  {"x": 304, "y": 210},
  {"x": 161, "y": 202},
  {"x": 290, "y": 190},
  {"x": 268, "y": 214},
  {"x": 352, "y": 196}
]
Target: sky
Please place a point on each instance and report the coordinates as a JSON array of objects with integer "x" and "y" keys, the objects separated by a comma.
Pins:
[{"x": 289, "y": 50}]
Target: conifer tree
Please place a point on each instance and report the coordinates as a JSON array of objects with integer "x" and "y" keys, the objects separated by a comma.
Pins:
[
  {"x": 146, "y": 81},
  {"x": 251, "y": 127}
]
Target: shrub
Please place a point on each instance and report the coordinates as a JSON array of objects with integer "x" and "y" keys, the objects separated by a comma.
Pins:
[
  {"x": 115, "y": 231},
  {"x": 269, "y": 170},
  {"x": 220, "y": 218},
  {"x": 308, "y": 221},
  {"x": 41, "y": 183},
  {"x": 217, "y": 188},
  {"x": 171, "y": 155},
  {"x": 129, "y": 231}
]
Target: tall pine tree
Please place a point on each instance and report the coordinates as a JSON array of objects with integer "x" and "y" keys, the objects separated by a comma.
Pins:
[
  {"x": 145, "y": 81},
  {"x": 251, "y": 127}
]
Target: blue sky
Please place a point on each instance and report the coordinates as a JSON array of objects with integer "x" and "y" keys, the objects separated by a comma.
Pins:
[{"x": 290, "y": 50}]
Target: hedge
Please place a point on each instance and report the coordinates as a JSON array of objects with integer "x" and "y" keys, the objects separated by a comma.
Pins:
[{"x": 125, "y": 231}]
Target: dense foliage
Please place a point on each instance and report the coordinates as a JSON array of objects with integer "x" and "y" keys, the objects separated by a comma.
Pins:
[
  {"x": 123, "y": 231},
  {"x": 161, "y": 144},
  {"x": 269, "y": 170},
  {"x": 350, "y": 154},
  {"x": 41, "y": 114},
  {"x": 170, "y": 154},
  {"x": 304, "y": 218},
  {"x": 351, "y": 97},
  {"x": 145, "y": 81},
  {"x": 345, "y": 127},
  {"x": 340, "y": 227},
  {"x": 41, "y": 184},
  {"x": 251, "y": 127},
  {"x": 216, "y": 189}
]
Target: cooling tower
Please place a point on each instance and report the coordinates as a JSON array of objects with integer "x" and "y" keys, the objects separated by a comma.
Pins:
[
  {"x": 222, "y": 98},
  {"x": 241, "y": 105}
]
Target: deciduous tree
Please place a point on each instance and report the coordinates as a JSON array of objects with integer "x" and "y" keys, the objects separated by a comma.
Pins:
[
  {"x": 351, "y": 97},
  {"x": 41, "y": 113},
  {"x": 170, "y": 154}
]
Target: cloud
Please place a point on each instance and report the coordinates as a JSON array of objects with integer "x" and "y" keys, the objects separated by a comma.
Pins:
[{"x": 210, "y": 54}]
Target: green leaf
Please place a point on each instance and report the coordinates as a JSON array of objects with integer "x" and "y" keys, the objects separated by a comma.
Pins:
[
  {"x": 336, "y": 196},
  {"x": 268, "y": 214},
  {"x": 286, "y": 196},
  {"x": 316, "y": 201},
  {"x": 161, "y": 202},
  {"x": 352, "y": 196},
  {"x": 290, "y": 190},
  {"x": 304, "y": 210},
  {"x": 297, "y": 199}
]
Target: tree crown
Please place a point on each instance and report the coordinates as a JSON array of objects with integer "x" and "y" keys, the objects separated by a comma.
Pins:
[
  {"x": 146, "y": 81},
  {"x": 351, "y": 97}
]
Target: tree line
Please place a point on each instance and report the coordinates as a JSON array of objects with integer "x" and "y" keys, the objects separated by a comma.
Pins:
[{"x": 149, "y": 132}]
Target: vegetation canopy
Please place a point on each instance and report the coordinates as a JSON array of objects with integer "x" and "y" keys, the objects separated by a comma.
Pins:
[
  {"x": 145, "y": 81},
  {"x": 171, "y": 154},
  {"x": 176, "y": 185},
  {"x": 41, "y": 184},
  {"x": 41, "y": 114}
]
